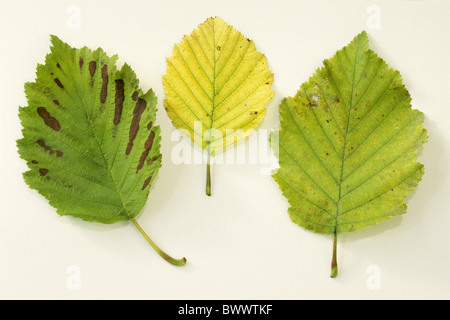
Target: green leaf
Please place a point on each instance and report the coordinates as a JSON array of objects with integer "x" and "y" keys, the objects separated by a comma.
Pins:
[
  {"x": 89, "y": 137},
  {"x": 348, "y": 143},
  {"x": 217, "y": 79}
]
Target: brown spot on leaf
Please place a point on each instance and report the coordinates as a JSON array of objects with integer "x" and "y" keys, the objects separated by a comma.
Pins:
[
  {"x": 151, "y": 160},
  {"x": 219, "y": 48},
  {"x": 149, "y": 125},
  {"x": 58, "y": 66},
  {"x": 59, "y": 83},
  {"x": 43, "y": 171},
  {"x": 81, "y": 63},
  {"x": 56, "y": 102},
  {"x": 50, "y": 150},
  {"x": 34, "y": 162},
  {"x": 44, "y": 146},
  {"x": 146, "y": 182},
  {"x": 148, "y": 146},
  {"x": 104, "y": 91},
  {"x": 92, "y": 67},
  {"x": 120, "y": 97},
  {"x": 141, "y": 104},
  {"x": 49, "y": 120},
  {"x": 135, "y": 95}
]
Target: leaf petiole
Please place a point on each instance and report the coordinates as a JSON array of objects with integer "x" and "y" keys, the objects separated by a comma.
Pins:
[
  {"x": 165, "y": 256},
  {"x": 208, "y": 176},
  {"x": 334, "y": 266}
]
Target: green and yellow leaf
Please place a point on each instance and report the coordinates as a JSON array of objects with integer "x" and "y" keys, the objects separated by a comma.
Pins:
[{"x": 348, "y": 143}]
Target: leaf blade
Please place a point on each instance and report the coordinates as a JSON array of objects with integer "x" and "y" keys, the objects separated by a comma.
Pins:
[
  {"x": 75, "y": 135},
  {"x": 216, "y": 76}
]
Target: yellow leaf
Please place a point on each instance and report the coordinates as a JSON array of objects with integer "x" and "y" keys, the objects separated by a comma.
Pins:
[{"x": 217, "y": 85}]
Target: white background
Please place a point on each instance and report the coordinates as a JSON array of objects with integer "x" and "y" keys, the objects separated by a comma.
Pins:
[{"x": 240, "y": 243}]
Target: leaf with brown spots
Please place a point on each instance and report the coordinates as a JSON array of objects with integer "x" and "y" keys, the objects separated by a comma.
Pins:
[
  {"x": 348, "y": 143},
  {"x": 89, "y": 137}
]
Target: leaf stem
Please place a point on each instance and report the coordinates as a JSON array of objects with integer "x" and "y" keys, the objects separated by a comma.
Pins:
[
  {"x": 208, "y": 175},
  {"x": 165, "y": 256},
  {"x": 334, "y": 266}
]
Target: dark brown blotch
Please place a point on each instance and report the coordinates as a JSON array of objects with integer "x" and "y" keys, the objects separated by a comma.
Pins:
[
  {"x": 92, "y": 67},
  {"x": 48, "y": 120},
  {"x": 148, "y": 146},
  {"x": 59, "y": 83},
  {"x": 135, "y": 95},
  {"x": 56, "y": 102},
  {"x": 34, "y": 162},
  {"x": 50, "y": 150},
  {"x": 104, "y": 91},
  {"x": 81, "y": 62},
  {"x": 141, "y": 104},
  {"x": 120, "y": 97},
  {"x": 43, "y": 171},
  {"x": 44, "y": 146},
  {"x": 147, "y": 182}
]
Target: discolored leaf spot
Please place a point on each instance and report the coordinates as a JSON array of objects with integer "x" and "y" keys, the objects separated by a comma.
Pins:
[
  {"x": 43, "y": 171},
  {"x": 148, "y": 146},
  {"x": 135, "y": 95},
  {"x": 104, "y": 91},
  {"x": 48, "y": 120},
  {"x": 150, "y": 161},
  {"x": 81, "y": 62},
  {"x": 147, "y": 181},
  {"x": 56, "y": 102},
  {"x": 120, "y": 97},
  {"x": 50, "y": 150},
  {"x": 141, "y": 104},
  {"x": 59, "y": 83},
  {"x": 92, "y": 67},
  {"x": 34, "y": 162}
]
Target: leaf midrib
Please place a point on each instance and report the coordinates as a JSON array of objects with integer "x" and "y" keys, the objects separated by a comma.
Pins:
[
  {"x": 346, "y": 134},
  {"x": 99, "y": 145}
]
